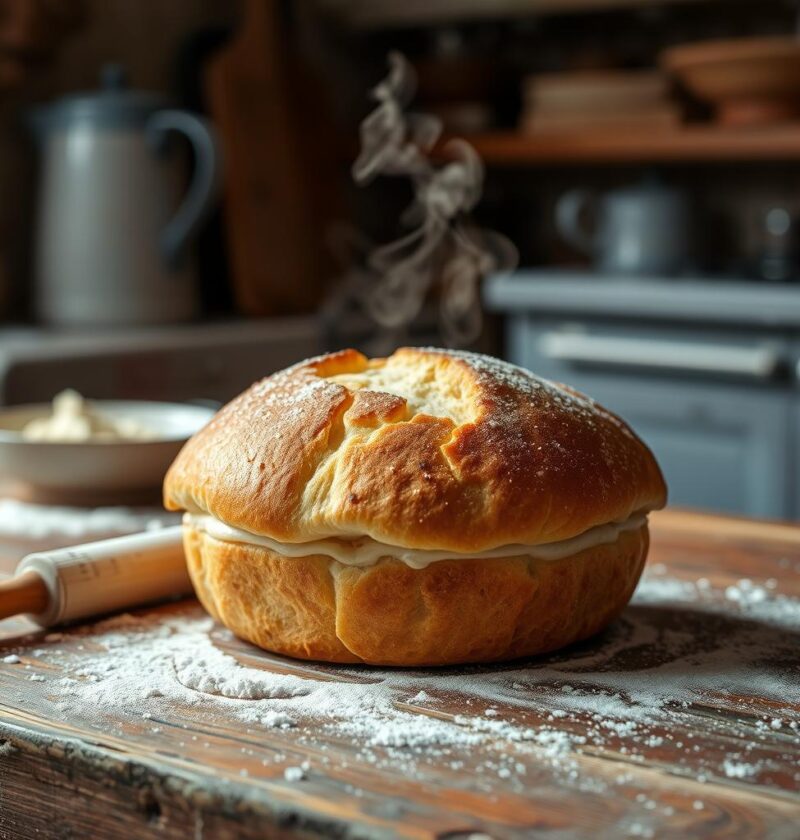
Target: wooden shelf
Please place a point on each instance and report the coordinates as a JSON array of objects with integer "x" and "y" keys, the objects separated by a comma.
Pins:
[
  {"x": 702, "y": 143},
  {"x": 369, "y": 14}
]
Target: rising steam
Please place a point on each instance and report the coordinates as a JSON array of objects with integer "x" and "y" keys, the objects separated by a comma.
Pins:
[{"x": 444, "y": 248}]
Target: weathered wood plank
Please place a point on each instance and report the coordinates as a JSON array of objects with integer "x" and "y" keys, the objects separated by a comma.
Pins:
[{"x": 197, "y": 770}]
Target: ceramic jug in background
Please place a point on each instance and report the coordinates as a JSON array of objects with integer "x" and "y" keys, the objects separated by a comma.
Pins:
[
  {"x": 641, "y": 229},
  {"x": 114, "y": 235}
]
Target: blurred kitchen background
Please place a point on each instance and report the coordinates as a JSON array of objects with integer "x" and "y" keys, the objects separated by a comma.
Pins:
[{"x": 180, "y": 215}]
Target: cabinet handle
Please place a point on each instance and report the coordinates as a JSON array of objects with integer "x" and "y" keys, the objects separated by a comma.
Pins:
[{"x": 761, "y": 363}]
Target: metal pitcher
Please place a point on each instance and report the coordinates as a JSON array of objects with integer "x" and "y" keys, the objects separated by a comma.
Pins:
[
  {"x": 642, "y": 229},
  {"x": 114, "y": 236}
]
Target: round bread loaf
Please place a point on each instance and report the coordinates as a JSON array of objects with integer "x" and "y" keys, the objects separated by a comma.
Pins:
[{"x": 434, "y": 507}]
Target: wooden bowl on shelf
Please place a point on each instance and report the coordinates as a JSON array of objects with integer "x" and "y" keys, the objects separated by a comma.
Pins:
[{"x": 750, "y": 81}]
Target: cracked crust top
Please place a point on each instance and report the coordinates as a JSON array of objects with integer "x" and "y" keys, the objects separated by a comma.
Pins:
[{"x": 426, "y": 449}]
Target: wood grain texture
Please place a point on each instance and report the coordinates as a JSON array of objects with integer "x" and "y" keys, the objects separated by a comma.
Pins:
[
  {"x": 281, "y": 164},
  {"x": 82, "y": 773}
]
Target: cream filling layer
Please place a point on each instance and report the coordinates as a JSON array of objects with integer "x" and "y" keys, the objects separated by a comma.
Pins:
[{"x": 364, "y": 551}]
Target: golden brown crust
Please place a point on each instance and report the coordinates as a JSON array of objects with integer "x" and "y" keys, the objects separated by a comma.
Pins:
[
  {"x": 465, "y": 453},
  {"x": 453, "y": 611}
]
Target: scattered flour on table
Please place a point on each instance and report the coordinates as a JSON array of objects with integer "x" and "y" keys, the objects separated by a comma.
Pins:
[
  {"x": 628, "y": 692},
  {"x": 739, "y": 769},
  {"x": 26, "y": 527},
  {"x": 294, "y": 774}
]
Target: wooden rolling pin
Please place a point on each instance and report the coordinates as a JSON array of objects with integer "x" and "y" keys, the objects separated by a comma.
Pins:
[{"x": 53, "y": 587}]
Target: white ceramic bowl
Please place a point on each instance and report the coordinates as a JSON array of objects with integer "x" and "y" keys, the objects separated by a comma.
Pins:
[{"x": 97, "y": 466}]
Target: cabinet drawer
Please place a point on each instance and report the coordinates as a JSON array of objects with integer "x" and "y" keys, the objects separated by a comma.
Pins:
[
  {"x": 723, "y": 445},
  {"x": 720, "y": 448}
]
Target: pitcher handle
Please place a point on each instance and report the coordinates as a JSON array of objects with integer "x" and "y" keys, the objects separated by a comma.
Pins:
[
  {"x": 569, "y": 220},
  {"x": 203, "y": 189}
]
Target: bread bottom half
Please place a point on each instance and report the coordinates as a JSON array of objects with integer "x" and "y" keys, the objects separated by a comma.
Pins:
[{"x": 451, "y": 612}]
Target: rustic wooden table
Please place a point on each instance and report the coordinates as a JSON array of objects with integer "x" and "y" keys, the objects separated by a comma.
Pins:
[{"x": 683, "y": 719}]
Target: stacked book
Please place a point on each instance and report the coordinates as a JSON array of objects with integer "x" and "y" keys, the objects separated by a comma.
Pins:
[{"x": 612, "y": 100}]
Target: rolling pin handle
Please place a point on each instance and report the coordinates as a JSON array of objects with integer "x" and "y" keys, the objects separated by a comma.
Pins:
[{"x": 26, "y": 593}]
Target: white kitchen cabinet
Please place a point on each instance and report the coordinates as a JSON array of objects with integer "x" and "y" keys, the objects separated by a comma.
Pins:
[
  {"x": 721, "y": 448},
  {"x": 717, "y": 403}
]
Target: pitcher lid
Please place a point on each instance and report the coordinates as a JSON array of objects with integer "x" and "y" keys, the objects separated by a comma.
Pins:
[{"x": 112, "y": 105}]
